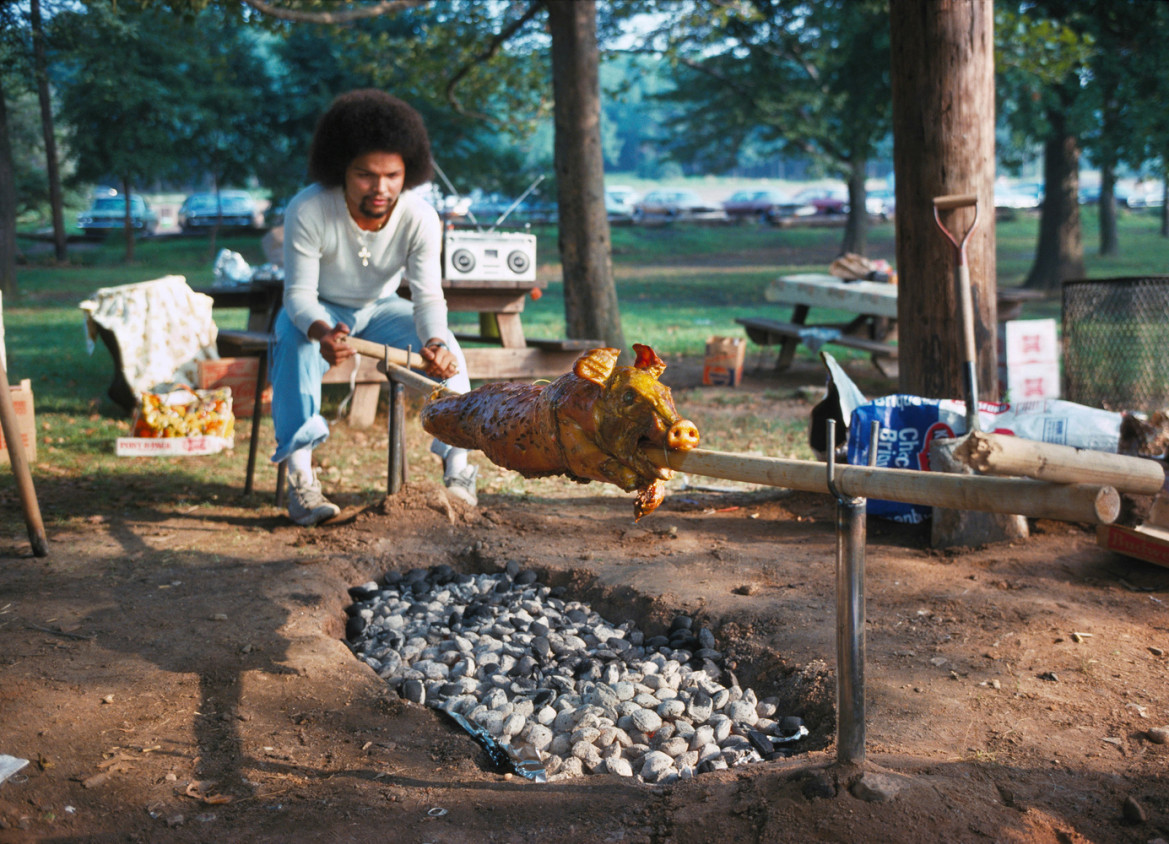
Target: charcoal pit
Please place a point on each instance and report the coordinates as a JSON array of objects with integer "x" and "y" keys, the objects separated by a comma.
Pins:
[{"x": 549, "y": 686}]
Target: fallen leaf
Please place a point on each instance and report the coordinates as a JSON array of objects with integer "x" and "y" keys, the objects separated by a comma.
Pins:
[{"x": 201, "y": 791}]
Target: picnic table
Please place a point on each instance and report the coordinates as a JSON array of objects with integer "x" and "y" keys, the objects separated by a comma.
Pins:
[
  {"x": 874, "y": 326},
  {"x": 872, "y": 329},
  {"x": 499, "y": 350}
]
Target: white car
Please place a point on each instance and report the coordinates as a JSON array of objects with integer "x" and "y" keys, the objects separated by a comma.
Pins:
[{"x": 619, "y": 202}]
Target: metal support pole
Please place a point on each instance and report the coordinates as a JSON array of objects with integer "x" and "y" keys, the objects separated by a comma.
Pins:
[
  {"x": 397, "y": 432},
  {"x": 257, "y": 416},
  {"x": 850, "y": 611}
]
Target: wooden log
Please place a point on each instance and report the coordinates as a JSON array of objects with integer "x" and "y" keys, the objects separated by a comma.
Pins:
[
  {"x": 1089, "y": 503},
  {"x": 996, "y": 454},
  {"x": 20, "y": 470}
]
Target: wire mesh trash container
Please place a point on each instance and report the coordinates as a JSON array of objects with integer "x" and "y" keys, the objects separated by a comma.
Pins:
[{"x": 1116, "y": 342}]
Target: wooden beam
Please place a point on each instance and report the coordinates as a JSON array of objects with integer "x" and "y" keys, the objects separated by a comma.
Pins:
[{"x": 1089, "y": 503}]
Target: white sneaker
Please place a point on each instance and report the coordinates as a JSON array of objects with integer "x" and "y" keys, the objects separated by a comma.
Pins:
[
  {"x": 307, "y": 505},
  {"x": 462, "y": 485}
]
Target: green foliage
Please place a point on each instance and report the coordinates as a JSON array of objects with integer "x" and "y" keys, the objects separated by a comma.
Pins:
[
  {"x": 123, "y": 90},
  {"x": 804, "y": 79}
]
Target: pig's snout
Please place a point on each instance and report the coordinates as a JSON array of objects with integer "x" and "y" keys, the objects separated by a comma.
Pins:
[{"x": 683, "y": 435}]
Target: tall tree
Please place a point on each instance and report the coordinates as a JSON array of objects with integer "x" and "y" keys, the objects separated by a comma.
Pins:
[
  {"x": 123, "y": 94},
  {"x": 8, "y": 64},
  {"x": 808, "y": 79},
  {"x": 223, "y": 128},
  {"x": 590, "y": 304},
  {"x": 7, "y": 204},
  {"x": 1151, "y": 65},
  {"x": 943, "y": 144},
  {"x": 1044, "y": 50},
  {"x": 41, "y": 70}
]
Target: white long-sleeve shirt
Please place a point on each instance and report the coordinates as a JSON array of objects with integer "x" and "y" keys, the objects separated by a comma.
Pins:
[{"x": 322, "y": 259}]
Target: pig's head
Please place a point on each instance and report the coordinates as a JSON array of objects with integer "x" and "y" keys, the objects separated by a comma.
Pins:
[{"x": 634, "y": 410}]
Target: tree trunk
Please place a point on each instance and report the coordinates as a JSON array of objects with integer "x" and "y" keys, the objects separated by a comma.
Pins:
[
  {"x": 1165, "y": 203},
  {"x": 943, "y": 143},
  {"x": 590, "y": 295},
  {"x": 856, "y": 230},
  {"x": 7, "y": 206},
  {"x": 1060, "y": 253},
  {"x": 40, "y": 64},
  {"x": 127, "y": 221},
  {"x": 1106, "y": 207}
]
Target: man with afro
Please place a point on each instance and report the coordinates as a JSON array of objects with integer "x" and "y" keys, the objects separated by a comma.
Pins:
[{"x": 349, "y": 239}]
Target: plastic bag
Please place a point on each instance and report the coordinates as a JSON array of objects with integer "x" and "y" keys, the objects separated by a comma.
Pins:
[{"x": 231, "y": 270}]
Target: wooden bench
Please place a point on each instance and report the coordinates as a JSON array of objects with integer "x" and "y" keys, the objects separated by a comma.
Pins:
[{"x": 770, "y": 332}]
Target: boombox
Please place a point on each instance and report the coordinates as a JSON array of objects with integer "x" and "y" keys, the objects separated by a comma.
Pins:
[{"x": 489, "y": 256}]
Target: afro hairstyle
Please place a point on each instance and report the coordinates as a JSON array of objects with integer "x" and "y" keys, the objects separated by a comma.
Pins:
[{"x": 369, "y": 120}]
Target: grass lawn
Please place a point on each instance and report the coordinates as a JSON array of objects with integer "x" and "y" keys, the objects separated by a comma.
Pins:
[{"x": 676, "y": 285}]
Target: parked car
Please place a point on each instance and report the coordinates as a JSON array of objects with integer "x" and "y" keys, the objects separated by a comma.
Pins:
[
  {"x": 227, "y": 209},
  {"x": 881, "y": 203},
  {"x": 1023, "y": 196},
  {"x": 768, "y": 205},
  {"x": 1146, "y": 195},
  {"x": 619, "y": 202},
  {"x": 671, "y": 204},
  {"x": 108, "y": 213},
  {"x": 824, "y": 200}
]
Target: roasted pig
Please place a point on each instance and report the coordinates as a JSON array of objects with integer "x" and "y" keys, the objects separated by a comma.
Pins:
[{"x": 589, "y": 424}]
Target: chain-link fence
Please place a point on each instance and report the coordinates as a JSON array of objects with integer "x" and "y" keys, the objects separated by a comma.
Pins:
[{"x": 1116, "y": 342}]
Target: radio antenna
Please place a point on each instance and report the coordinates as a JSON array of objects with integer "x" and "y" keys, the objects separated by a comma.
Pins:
[
  {"x": 451, "y": 188},
  {"x": 513, "y": 206}
]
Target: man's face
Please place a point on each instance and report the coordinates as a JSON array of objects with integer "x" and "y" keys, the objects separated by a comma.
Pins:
[{"x": 372, "y": 184}]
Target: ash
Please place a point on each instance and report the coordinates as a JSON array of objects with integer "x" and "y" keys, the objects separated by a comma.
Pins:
[{"x": 548, "y": 679}]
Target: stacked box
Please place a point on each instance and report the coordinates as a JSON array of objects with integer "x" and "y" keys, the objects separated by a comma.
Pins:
[
  {"x": 240, "y": 375},
  {"x": 724, "y": 361},
  {"x": 25, "y": 423},
  {"x": 1028, "y": 353}
]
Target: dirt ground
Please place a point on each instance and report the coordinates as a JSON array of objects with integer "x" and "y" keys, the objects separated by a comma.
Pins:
[{"x": 180, "y": 674}]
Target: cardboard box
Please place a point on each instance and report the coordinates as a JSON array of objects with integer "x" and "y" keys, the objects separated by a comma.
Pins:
[
  {"x": 171, "y": 446},
  {"x": 1028, "y": 354},
  {"x": 1147, "y": 543},
  {"x": 1024, "y": 341},
  {"x": 240, "y": 375},
  {"x": 724, "y": 361},
  {"x": 25, "y": 423},
  {"x": 1028, "y": 381}
]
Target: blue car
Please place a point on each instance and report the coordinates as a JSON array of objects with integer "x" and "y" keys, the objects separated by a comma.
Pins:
[{"x": 108, "y": 213}]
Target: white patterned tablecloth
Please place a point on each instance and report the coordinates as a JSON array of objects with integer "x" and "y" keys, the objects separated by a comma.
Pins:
[{"x": 162, "y": 327}]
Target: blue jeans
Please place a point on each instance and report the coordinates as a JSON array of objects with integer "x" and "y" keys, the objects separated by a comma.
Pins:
[{"x": 296, "y": 367}]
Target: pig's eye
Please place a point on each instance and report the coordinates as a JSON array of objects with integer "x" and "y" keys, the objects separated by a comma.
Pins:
[{"x": 630, "y": 397}]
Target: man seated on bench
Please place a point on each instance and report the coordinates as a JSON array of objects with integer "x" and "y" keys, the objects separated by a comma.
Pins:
[{"x": 348, "y": 239}]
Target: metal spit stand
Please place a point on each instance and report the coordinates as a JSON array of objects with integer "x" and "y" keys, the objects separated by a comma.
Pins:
[
  {"x": 851, "y": 514},
  {"x": 396, "y": 470}
]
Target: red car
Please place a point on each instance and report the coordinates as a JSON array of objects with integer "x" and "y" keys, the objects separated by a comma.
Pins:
[
  {"x": 824, "y": 200},
  {"x": 762, "y": 204}
]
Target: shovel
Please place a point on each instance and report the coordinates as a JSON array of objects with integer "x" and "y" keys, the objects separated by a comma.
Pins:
[{"x": 965, "y": 298}]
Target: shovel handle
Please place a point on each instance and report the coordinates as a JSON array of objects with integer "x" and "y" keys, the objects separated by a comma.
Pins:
[{"x": 955, "y": 200}]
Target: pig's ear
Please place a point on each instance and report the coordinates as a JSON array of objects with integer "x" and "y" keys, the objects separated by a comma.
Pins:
[
  {"x": 596, "y": 365},
  {"x": 648, "y": 360}
]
